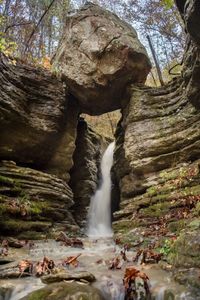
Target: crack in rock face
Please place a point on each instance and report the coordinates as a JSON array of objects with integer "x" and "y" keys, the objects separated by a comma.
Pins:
[{"x": 99, "y": 56}]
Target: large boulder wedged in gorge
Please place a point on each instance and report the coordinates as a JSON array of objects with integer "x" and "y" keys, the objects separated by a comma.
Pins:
[
  {"x": 37, "y": 118},
  {"x": 98, "y": 56}
]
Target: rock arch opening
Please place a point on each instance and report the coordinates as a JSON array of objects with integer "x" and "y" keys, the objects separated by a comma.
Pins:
[{"x": 94, "y": 134}]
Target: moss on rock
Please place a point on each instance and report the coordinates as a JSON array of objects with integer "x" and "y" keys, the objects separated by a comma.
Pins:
[
  {"x": 124, "y": 226},
  {"x": 17, "y": 226},
  {"x": 156, "y": 210},
  {"x": 6, "y": 180},
  {"x": 32, "y": 200},
  {"x": 177, "y": 226},
  {"x": 60, "y": 291},
  {"x": 186, "y": 249}
]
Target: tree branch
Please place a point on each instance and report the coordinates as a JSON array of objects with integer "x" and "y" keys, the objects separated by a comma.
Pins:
[
  {"x": 37, "y": 25},
  {"x": 15, "y": 25}
]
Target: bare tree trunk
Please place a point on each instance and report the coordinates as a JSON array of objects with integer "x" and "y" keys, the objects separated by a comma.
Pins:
[
  {"x": 111, "y": 124},
  {"x": 154, "y": 80},
  {"x": 155, "y": 60}
]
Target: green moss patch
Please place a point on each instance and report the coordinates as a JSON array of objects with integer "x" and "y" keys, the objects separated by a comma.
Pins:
[
  {"x": 124, "y": 226},
  {"x": 6, "y": 181},
  {"x": 156, "y": 210},
  {"x": 177, "y": 226},
  {"x": 17, "y": 226}
]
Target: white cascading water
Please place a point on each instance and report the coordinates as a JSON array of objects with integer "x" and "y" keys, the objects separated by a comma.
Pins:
[{"x": 99, "y": 221}]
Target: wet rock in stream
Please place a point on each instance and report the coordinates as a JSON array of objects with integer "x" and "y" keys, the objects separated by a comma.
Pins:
[
  {"x": 63, "y": 276},
  {"x": 6, "y": 291},
  {"x": 63, "y": 290},
  {"x": 190, "y": 277},
  {"x": 11, "y": 270},
  {"x": 4, "y": 261}
]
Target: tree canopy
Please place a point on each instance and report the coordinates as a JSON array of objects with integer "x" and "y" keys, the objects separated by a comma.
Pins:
[{"x": 31, "y": 29}]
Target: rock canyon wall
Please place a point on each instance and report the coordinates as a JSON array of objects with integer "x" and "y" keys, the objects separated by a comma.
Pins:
[
  {"x": 50, "y": 158},
  {"x": 157, "y": 154}
]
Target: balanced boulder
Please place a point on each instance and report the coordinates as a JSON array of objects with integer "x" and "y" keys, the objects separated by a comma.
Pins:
[{"x": 98, "y": 56}]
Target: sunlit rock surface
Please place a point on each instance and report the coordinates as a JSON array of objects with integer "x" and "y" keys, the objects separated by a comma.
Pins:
[{"x": 98, "y": 56}]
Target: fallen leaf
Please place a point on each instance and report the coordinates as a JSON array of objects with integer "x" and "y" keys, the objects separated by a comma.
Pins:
[
  {"x": 71, "y": 260},
  {"x": 130, "y": 276},
  {"x": 25, "y": 265}
]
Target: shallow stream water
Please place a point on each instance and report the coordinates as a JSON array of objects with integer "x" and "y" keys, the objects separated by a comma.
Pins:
[{"x": 110, "y": 282}]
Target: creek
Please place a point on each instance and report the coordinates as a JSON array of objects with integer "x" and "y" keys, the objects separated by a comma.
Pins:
[
  {"x": 93, "y": 259},
  {"x": 99, "y": 248},
  {"x": 99, "y": 218}
]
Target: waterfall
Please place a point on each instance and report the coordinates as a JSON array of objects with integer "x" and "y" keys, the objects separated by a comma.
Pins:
[{"x": 99, "y": 217}]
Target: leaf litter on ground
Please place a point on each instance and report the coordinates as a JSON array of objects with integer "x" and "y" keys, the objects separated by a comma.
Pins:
[{"x": 45, "y": 266}]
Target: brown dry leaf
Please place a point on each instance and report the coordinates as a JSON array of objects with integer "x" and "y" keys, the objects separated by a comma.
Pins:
[
  {"x": 73, "y": 242},
  {"x": 115, "y": 264},
  {"x": 138, "y": 254},
  {"x": 127, "y": 246},
  {"x": 123, "y": 255},
  {"x": 147, "y": 256},
  {"x": 71, "y": 260},
  {"x": 100, "y": 261},
  {"x": 45, "y": 266},
  {"x": 25, "y": 265},
  {"x": 131, "y": 274},
  {"x": 77, "y": 243},
  {"x": 4, "y": 248},
  {"x": 117, "y": 241},
  {"x": 154, "y": 256}
]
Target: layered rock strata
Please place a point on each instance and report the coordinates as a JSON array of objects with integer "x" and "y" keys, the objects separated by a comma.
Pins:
[
  {"x": 157, "y": 157},
  {"x": 97, "y": 58},
  {"x": 32, "y": 203},
  {"x": 37, "y": 118},
  {"x": 159, "y": 130}
]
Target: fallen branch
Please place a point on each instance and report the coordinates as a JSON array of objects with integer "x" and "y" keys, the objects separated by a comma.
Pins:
[
  {"x": 16, "y": 25},
  {"x": 72, "y": 260}
]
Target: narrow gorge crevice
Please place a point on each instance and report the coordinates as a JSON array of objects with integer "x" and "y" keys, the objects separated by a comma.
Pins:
[{"x": 85, "y": 173}]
